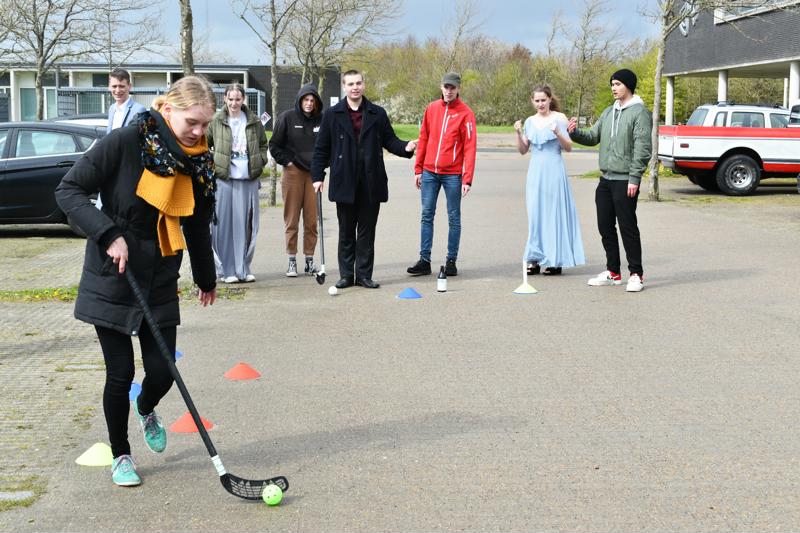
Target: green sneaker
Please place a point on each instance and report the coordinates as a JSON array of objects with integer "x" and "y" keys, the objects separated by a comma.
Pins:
[
  {"x": 154, "y": 434},
  {"x": 123, "y": 472}
]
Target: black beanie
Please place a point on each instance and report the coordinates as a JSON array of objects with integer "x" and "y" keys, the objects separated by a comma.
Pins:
[{"x": 627, "y": 77}]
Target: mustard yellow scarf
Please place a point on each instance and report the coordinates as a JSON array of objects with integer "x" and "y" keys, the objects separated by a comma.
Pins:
[{"x": 173, "y": 196}]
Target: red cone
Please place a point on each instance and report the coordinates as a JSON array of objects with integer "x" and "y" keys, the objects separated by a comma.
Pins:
[
  {"x": 242, "y": 371},
  {"x": 185, "y": 424}
]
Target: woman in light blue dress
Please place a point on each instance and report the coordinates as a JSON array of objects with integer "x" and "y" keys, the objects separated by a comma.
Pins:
[{"x": 554, "y": 234}]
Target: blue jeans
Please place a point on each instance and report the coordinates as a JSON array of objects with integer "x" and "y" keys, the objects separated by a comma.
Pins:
[{"x": 429, "y": 189}]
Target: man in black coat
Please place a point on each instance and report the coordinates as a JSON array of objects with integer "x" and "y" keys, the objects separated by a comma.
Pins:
[{"x": 351, "y": 140}]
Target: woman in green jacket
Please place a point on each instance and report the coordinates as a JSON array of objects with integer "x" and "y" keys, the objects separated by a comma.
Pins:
[{"x": 240, "y": 148}]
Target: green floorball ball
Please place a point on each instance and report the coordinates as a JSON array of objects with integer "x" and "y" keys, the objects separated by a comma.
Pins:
[{"x": 272, "y": 495}]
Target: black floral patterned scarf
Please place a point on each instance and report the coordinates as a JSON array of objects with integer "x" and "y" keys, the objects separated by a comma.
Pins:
[{"x": 163, "y": 156}]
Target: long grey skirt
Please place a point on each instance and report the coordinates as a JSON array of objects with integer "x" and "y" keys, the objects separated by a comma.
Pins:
[{"x": 234, "y": 236}]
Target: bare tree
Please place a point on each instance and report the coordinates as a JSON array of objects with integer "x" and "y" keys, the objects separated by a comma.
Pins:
[
  {"x": 670, "y": 15},
  {"x": 45, "y": 32},
  {"x": 202, "y": 52},
  {"x": 556, "y": 28},
  {"x": 268, "y": 19},
  {"x": 125, "y": 28},
  {"x": 187, "y": 29},
  {"x": 464, "y": 24},
  {"x": 594, "y": 46},
  {"x": 323, "y": 32}
]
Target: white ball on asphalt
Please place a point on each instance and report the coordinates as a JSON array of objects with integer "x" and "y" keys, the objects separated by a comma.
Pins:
[{"x": 332, "y": 290}]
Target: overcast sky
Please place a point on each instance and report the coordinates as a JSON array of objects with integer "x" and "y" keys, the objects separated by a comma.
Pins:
[{"x": 511, "y": 21}]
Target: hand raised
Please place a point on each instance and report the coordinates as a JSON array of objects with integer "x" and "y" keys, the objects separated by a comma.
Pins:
[{"x": 572, "y": 124}]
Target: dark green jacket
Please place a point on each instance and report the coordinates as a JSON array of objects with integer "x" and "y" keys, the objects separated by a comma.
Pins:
[
  {"x": 624, "y": 137},
  {"x": 220, "y": 140}
]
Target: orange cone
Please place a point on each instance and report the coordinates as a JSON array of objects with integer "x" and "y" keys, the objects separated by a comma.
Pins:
[
  {"x": 185, "y": 424},
  {"x": 242, "y": 371}
]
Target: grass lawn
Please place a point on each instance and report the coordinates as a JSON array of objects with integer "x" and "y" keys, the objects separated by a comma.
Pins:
[{"x": 411, "y": 131}]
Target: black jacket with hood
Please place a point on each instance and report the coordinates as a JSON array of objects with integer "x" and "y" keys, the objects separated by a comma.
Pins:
[
  {"x": 294, "y": 133},
  {"x": 113, "y": 167}
]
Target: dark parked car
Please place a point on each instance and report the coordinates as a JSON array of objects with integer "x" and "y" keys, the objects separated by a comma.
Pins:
[{"x": 34, "y": 156}]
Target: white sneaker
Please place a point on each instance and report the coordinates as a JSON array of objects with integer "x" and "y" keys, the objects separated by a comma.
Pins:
[
  {"x": 605, "y": 278},
  {"x": 249, "y": 278},
  {"x": 230, "y": 279},
  {"x": 635, "y": 283},
  {"x": 291, "y": 272}
]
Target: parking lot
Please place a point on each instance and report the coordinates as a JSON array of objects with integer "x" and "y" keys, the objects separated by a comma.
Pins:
[{"x": 576, "y": 408}]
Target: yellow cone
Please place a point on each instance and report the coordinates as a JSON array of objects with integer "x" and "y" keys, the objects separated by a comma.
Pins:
[
  {"x": 525, "y": 288},
  {"x": 98, "y": 455}
]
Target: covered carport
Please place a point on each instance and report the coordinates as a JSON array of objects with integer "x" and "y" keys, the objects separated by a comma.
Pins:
[{"x": 761, "y": 42}]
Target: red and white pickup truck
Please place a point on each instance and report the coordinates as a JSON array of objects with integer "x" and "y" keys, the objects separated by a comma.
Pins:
[{"x": 731, "y": 156}]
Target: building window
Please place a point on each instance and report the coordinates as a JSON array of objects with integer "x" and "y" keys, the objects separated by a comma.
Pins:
[
  {"x": 27, "y": 103},
  {"x": 733, "y": 12},
  {"x": 99, "y": 80}
]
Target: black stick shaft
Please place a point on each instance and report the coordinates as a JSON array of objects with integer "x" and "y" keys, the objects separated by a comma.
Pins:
[
  {"x": 321, "y": 232},
  {"x": 151, "y": 321}
]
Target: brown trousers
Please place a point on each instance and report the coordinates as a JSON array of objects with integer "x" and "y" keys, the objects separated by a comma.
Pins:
[{"x": 298, "y": 194}]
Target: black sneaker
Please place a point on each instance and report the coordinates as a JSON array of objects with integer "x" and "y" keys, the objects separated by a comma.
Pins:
[
  {"x": 310, "y": 268},
  {"x": 421, "y": 268},
  {"x": 450, "y": 268}
]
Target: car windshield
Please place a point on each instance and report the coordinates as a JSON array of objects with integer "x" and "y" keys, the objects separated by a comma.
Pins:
[{"x": 698, "y": 118}]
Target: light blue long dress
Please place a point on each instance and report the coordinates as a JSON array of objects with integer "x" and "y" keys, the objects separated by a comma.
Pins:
[{"x": 554, "y": 233}]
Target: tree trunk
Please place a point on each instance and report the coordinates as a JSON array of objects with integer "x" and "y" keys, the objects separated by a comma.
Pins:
[
  {"x": 187, "y": 57},
  {"x": 39, "y": 92},
  {"x": 321, "y": 83},
  {"x": 654, "y": 193},
  {"x": 273, "y": 70}
]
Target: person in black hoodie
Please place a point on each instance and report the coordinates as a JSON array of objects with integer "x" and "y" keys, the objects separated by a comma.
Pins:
[{"x": 292, "y": 146}]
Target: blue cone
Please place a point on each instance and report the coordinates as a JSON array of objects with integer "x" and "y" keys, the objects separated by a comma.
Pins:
[
  {"x": 135, "y": 390},
  {"x": 409, "y": 294},
  {"x": 178, "y": 355}
]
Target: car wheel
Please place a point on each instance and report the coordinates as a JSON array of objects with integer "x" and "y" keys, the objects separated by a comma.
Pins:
[
  {"x": 738, "y": 175},
  {"x": 709, "y": 183}
]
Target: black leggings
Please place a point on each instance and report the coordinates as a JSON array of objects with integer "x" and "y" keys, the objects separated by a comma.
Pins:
[{"x": 118, "y": 354}]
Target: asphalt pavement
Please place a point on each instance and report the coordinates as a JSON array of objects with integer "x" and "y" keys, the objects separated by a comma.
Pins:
[{"x": 575, "y": 409}]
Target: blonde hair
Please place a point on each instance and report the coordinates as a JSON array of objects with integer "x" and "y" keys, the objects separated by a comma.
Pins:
[{"x": 187, "y": 92}]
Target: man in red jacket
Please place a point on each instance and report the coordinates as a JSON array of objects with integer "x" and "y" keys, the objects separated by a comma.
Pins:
[{"x": 445, "y": 159}]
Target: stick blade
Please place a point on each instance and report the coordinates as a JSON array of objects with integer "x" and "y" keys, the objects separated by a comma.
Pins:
[{"x": 251, "y": 489}]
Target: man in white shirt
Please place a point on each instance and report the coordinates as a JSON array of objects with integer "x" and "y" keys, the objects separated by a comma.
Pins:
[{"x": 124, "y": 109}]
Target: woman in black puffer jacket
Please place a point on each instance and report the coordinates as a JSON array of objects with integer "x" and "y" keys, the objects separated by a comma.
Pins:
[{"x": 155, "y": 177}]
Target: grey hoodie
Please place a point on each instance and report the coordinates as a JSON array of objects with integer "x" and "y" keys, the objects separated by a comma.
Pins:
[
  {"x": 294, "y": 134},
  {"x": 624, "y": 136}
]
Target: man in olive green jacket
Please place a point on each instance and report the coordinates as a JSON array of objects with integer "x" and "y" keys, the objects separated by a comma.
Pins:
[{"x": 623, "y": 131}]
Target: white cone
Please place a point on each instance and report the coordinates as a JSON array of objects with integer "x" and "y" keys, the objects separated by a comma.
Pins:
[{"x": 525, "y": 288}]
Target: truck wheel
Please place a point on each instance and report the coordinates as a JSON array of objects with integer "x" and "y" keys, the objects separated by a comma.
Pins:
[
  {"x": 738, "y": 175},
  {"x": 709, "y": 183}
]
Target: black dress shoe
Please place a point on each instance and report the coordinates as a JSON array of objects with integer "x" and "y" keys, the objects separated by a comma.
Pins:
[
  {"x": 343, "y": 283},
  {"x": 534, "y": 269},
  {"x": 421, "y": 268},
  {"x": 368, "y": 283},
  {"x": 552, "y": 271}
]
